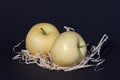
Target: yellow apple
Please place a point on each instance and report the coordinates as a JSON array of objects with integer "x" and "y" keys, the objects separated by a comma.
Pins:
[
  {"x": 41, "y": 37},
  {"x": 68, "y": 49}
]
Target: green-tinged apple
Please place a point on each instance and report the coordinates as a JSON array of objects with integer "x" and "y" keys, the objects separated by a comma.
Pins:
[
  {"x": 41, "y": 37},
  {"x": 68, "y": 49}
]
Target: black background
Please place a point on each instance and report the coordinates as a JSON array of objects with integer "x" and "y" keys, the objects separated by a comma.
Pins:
[{"x": 90, "y": 18}]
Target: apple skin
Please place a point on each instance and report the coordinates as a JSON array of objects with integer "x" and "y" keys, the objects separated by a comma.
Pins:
[
  {"x": 40, "y": 38},
  {"x": 67, "y": 50}
]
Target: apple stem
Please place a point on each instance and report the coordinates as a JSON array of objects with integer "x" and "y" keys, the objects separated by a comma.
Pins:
[
  {"x": 43, "y": 31},
  {"x": 83, "y": 45}
]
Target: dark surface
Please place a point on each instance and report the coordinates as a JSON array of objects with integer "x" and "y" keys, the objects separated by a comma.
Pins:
[{"x": 90, "y": 18}]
